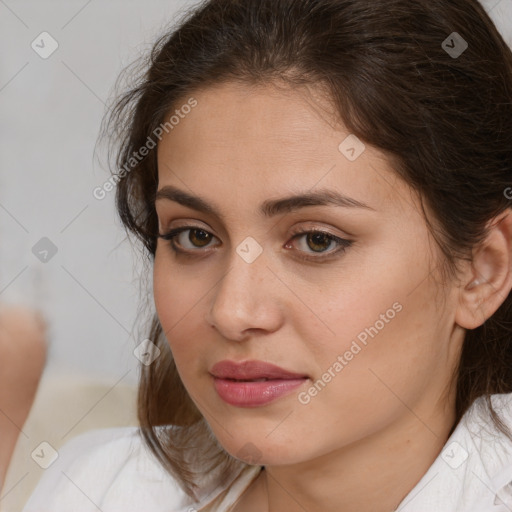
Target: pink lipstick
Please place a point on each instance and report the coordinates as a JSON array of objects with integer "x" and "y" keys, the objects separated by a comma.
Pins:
[{"x": 253, "y": 383}]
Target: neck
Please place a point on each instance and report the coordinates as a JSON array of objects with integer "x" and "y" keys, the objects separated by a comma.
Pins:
[{"x": 373, "y": 474}]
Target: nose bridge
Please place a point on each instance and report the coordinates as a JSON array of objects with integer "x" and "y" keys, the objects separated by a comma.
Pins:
[
  {"x": 242, "y": 298},
  {"x": 245, "y": 275}
]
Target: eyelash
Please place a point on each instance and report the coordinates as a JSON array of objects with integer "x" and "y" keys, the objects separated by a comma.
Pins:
[{"x": 343, "y": 244}]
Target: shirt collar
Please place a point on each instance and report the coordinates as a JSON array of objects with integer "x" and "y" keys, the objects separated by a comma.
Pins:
[{"x": 473, "y": 472}]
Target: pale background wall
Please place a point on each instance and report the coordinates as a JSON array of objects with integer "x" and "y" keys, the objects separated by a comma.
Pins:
[{"x": 50, "y": 113}]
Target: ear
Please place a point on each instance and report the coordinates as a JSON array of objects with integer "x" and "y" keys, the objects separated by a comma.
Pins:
[{"x": 488, "y": 280}]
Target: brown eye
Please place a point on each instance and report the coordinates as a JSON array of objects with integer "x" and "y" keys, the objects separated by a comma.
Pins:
[
  {"x": 318, "y": 242},
  {"x": 196, "y": 239},
  {"x": 202, "y": 237}
]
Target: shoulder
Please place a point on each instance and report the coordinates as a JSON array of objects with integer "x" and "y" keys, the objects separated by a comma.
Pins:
[
  {"x": 489, "y": 454},
  {"x": 107, "y": 469},
  {"x": 480, "y": 427},
  {"x": 473, "y": 472}
]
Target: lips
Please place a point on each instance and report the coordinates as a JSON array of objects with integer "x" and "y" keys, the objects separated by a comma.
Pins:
[
  {"x": 253, "y": 383},
  {"x": 252, "y": 371}
]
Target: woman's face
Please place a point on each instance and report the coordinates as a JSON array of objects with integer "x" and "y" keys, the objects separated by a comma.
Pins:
[{"x": 361, "y": 323}]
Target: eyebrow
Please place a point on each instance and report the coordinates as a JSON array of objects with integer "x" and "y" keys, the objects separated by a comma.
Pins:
[{"x": 268, "y": 208}]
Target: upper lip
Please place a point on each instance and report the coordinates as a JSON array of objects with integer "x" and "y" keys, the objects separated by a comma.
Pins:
[{"x": 250, "y": 370}]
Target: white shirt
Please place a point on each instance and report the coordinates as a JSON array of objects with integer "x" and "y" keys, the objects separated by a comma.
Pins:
[{"x": 111, "y": 470}]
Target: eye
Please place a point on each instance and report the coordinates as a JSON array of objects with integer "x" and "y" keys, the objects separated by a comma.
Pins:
[
  {"x": 196, "y": 236},
  {"x": 320, "y": 241},
  {"x": 317, "y": 240}
]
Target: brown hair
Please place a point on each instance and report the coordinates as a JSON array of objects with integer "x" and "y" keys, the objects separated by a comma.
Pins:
[{"x": 445, "y": 119}]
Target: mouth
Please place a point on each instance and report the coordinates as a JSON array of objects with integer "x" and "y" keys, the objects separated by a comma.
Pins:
[
  {"x": 253, "y": 383},
  {"x": 255, "y": 393}
]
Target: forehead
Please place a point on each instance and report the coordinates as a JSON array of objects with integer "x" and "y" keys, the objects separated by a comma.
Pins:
[
  {"x": 254, "y": 114},
  {"x": 242, "y": 140}
]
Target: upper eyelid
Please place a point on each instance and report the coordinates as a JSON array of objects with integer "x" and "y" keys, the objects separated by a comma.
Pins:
[{"x": 343, "y": 233}]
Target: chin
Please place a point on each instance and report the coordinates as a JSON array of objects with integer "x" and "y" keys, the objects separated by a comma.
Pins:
[{"x": 258, "y": 449}]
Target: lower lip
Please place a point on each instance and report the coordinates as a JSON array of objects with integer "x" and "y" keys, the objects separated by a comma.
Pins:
[{"x": 254, "y": 394}]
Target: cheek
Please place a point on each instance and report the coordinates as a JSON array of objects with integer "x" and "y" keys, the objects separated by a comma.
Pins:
[
  {"x": 175, "y": 293},
  {"x": 385, "y": 327},
  {"x": 386, "y": 313},
  {"x": 380, "y": 362},
  {"x": 164, "y": 286},
  {"x": 178, "y": 301},
  {"x": 374, "y": 383}
]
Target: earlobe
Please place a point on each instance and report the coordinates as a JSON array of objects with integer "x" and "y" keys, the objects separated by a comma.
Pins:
[{"x": 488, "y": 281}]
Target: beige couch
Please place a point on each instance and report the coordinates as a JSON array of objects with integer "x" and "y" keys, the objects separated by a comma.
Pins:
[{"x": 65, "y": 405}]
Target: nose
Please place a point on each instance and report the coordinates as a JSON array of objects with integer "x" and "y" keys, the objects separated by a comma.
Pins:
[{"x": 245, "y": 300}]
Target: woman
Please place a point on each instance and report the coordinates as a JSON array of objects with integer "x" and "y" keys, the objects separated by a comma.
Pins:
[{"x": 321, "y": 188}]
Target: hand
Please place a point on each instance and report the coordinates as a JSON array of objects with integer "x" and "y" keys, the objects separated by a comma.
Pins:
[{"x": 23, "y": 351}]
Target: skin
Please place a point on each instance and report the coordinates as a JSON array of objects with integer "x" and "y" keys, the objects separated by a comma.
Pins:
[
  {"x": 367, "y": 438},
  {"x": 23, "y": 350}
]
